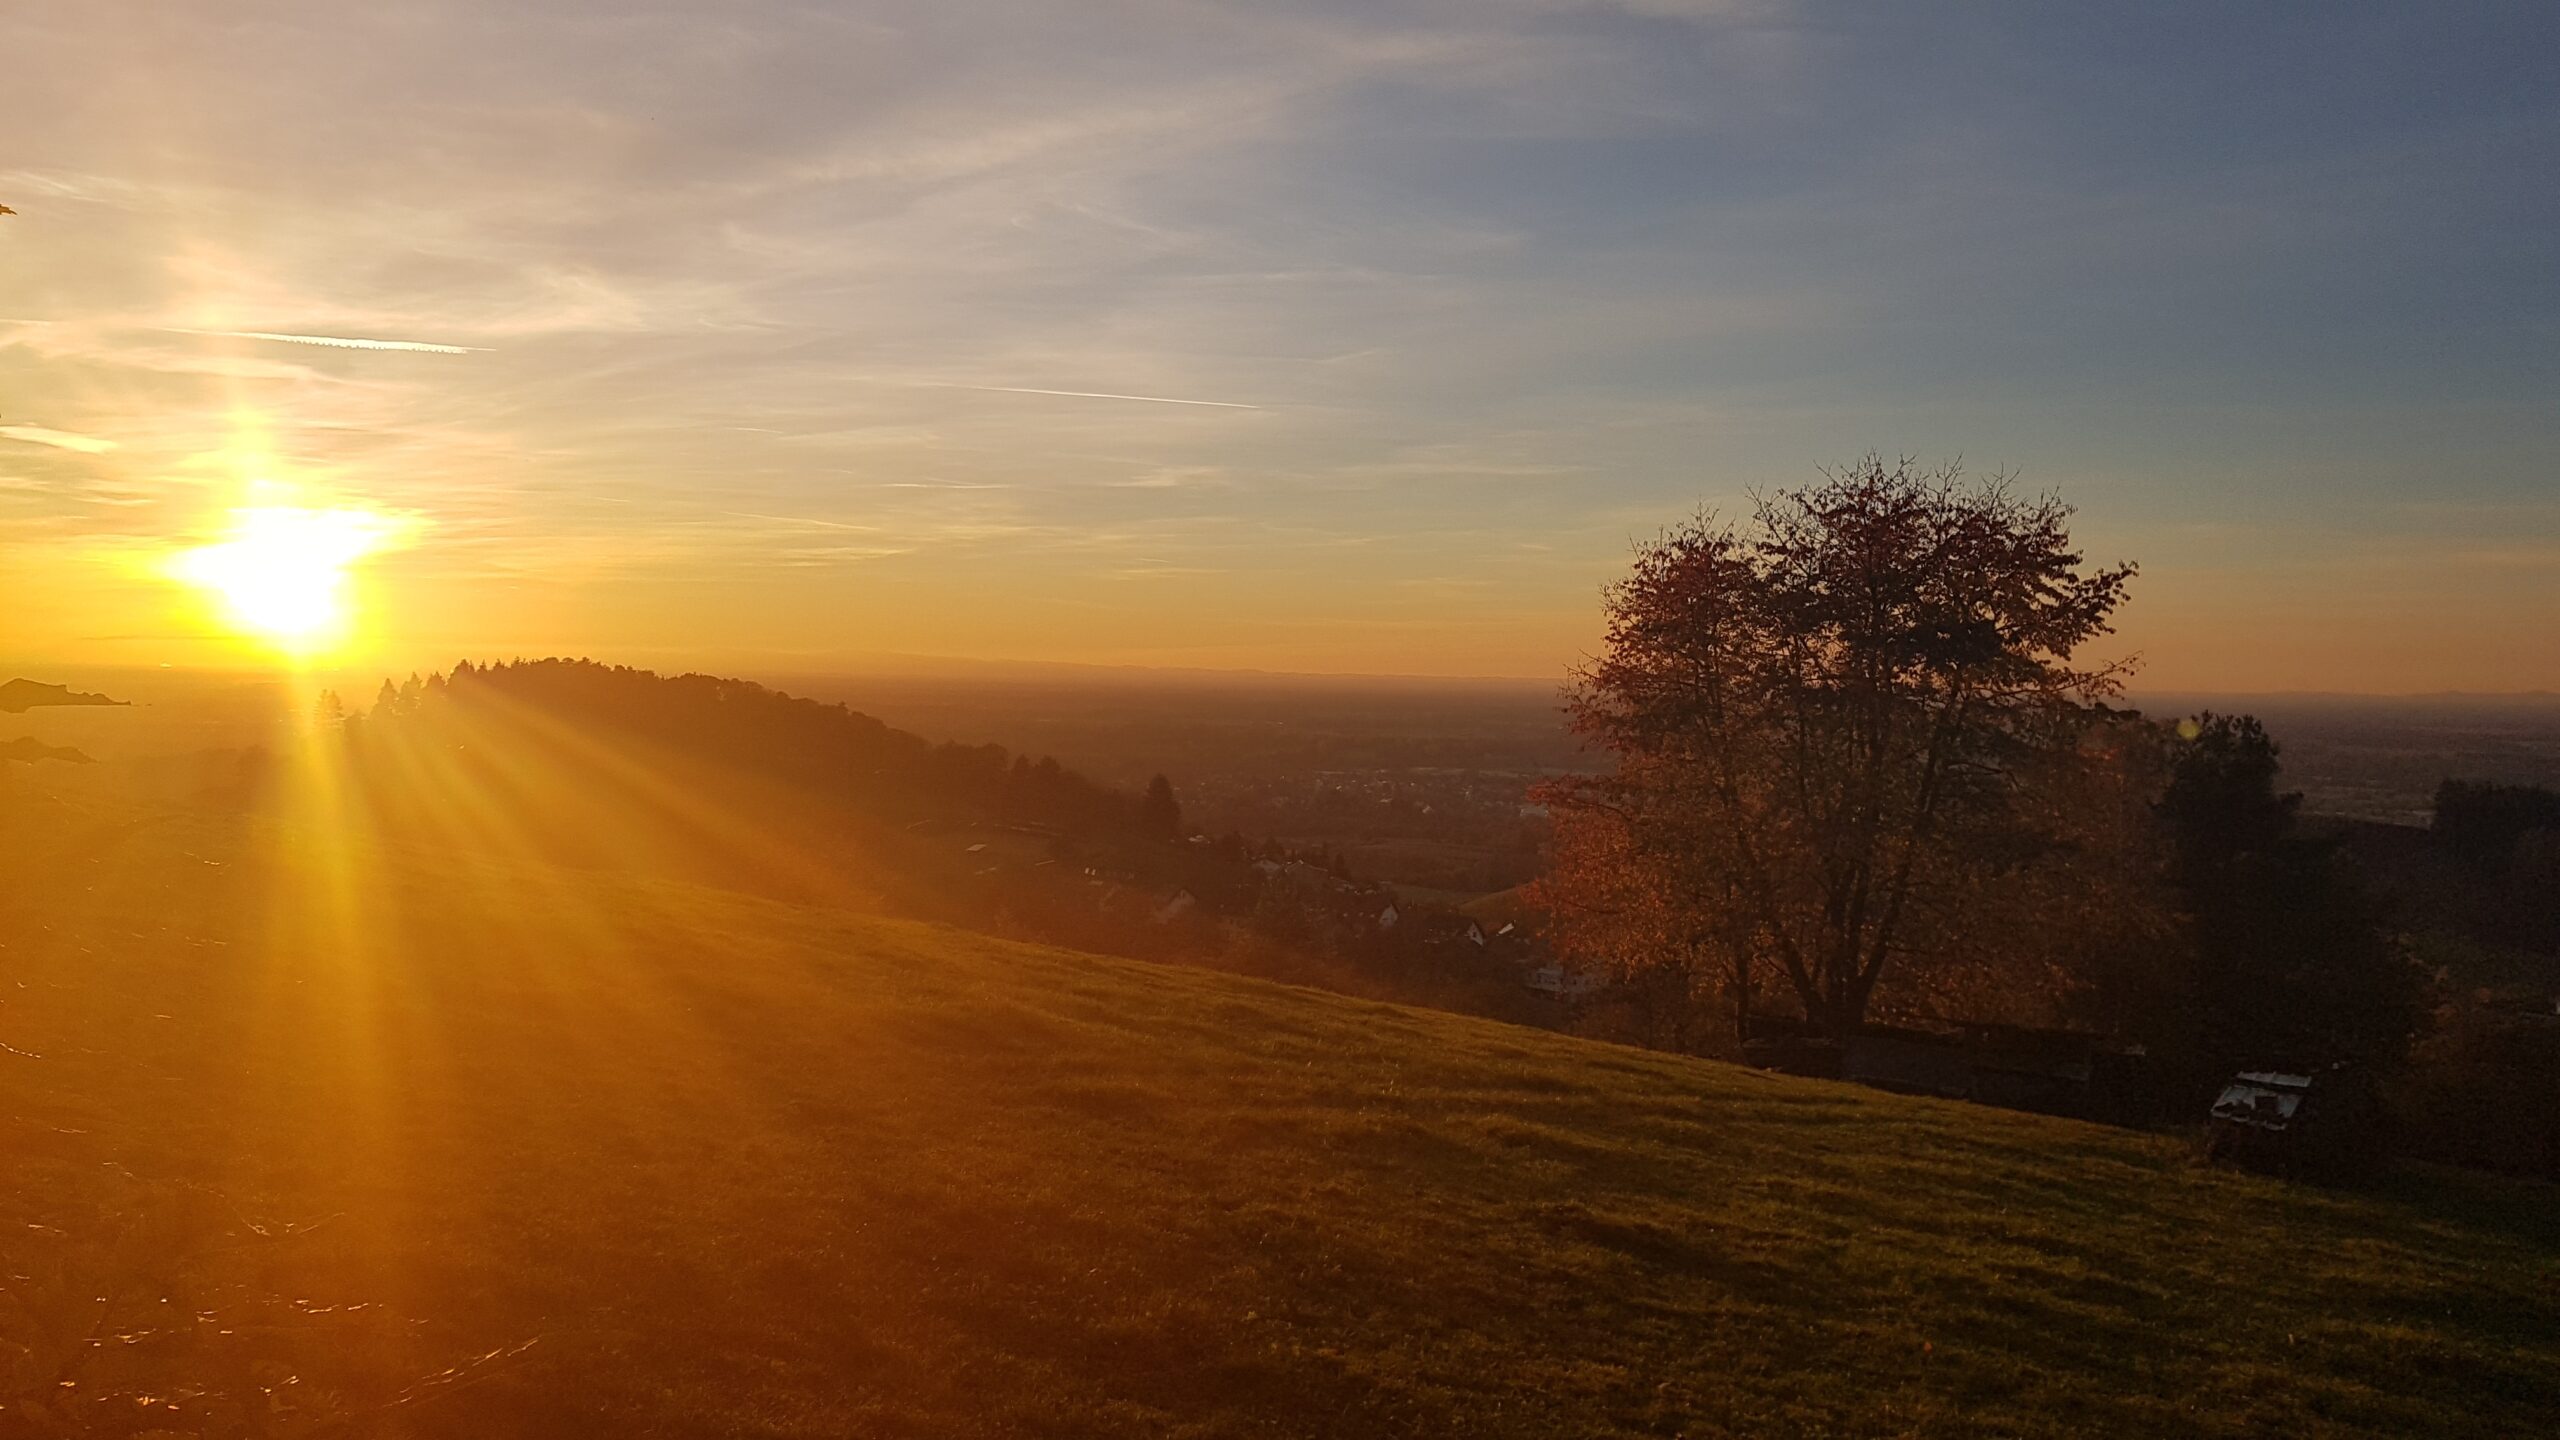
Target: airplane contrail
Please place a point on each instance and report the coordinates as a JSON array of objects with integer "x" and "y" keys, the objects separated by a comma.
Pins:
[
  {"x": 341, "y": 342},
  {"x": 1080, "y": 394},
  {"x": 800, "y": 520}
]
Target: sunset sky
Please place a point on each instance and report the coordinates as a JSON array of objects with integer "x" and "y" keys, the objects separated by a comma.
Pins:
[{"x": 1320, "y": 336}]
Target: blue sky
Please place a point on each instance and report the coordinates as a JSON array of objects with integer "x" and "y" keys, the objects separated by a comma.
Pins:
[{"x": 748, "y": 301}]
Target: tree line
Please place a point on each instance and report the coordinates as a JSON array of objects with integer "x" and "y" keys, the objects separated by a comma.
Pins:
[{"x": 825, "y": 753}]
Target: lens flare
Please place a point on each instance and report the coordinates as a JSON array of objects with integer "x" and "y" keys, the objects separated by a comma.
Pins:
[{"x": 281, "y": 575}]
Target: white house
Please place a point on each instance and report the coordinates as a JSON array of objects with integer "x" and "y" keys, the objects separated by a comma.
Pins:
[{"x": 1554, "y": 979}]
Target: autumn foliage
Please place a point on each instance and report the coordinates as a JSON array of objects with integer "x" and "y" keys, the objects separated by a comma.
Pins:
[{"x": 1856, "y": 765}]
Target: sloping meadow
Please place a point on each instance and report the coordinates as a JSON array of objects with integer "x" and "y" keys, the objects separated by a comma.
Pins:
[{"x": 474, "y": 1148}]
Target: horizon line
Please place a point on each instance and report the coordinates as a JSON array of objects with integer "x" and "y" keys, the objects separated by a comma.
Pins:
[{"x": 906, "y": 665}]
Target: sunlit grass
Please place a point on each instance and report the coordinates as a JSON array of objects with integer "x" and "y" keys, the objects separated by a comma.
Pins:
[{"x": 745, "y": 1167}]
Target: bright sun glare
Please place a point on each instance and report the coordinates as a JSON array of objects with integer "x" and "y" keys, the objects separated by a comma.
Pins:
[{"x": 281, "y": 575}]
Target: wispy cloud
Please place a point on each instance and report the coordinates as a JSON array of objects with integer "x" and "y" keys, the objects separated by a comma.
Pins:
[
  {"x": 1170, "y": 477},
  {"x": 58, "y": 439},
  {"x": 1412, "y": 288}
]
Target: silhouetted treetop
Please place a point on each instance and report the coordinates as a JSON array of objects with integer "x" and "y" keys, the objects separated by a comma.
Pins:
[{"x": 2221, "y": 799}]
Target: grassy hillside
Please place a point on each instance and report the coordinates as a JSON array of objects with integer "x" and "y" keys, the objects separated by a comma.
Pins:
[{"x": 742, "y": 1168}]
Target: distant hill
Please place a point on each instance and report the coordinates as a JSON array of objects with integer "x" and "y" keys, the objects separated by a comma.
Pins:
[
  {"x": 17, "y": 697},
  {"x": 819, "y": 753},
  {"x": 729, "y": 1166},
  {"x": 22, "y": 748},
  {"x": 705, "y": 778},
  {"x": 730, "y": 783}
]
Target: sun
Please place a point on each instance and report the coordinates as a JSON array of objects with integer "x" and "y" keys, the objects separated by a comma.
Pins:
[{"x": 281, "y": 574}]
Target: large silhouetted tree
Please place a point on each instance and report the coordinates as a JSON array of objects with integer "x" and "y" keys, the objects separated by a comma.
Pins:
[
  {"x": 2289, "y": 961},
  {"x": 1849, "y": 736}
]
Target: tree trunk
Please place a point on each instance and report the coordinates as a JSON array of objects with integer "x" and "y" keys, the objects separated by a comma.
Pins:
[{"x": 1844, "y": 1011}]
